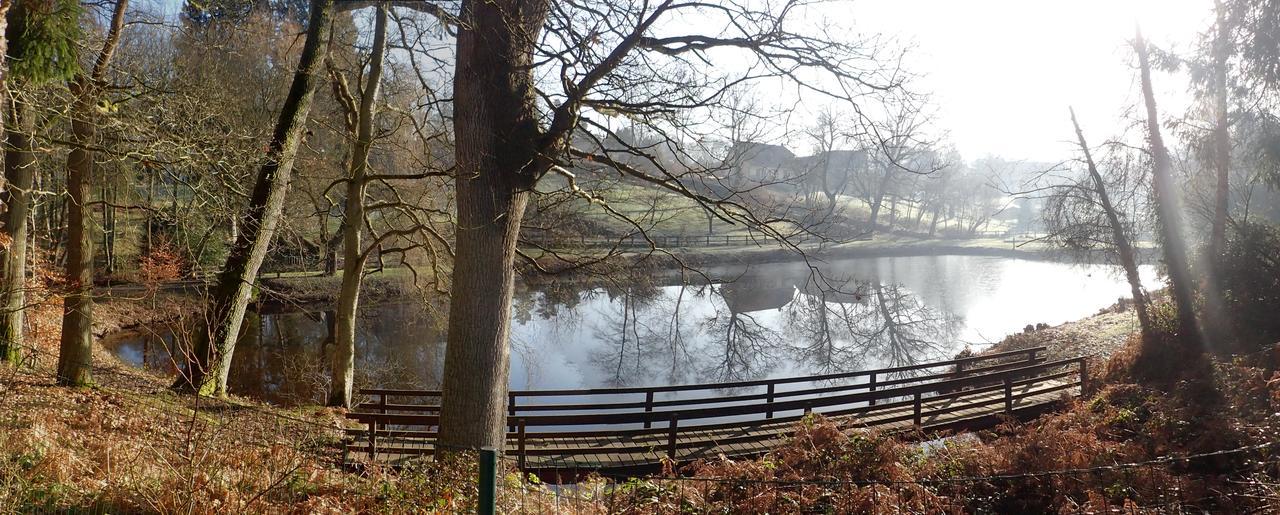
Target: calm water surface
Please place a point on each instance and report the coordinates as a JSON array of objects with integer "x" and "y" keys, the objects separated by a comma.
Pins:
[{"x": 762, "y": 321}]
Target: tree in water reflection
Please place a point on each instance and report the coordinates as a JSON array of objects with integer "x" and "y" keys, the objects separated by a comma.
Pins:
[{"x": 746, "y": 327}]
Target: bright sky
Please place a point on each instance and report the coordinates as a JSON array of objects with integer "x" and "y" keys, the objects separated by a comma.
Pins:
[{"x": 1004, "y": 71}]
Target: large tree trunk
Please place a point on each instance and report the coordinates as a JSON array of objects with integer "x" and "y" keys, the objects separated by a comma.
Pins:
[
  {"x": 210, "y": 360},
  {"x": 1168, "y": 211},
  {"x": 1118, "y": 236},
  {"x": 496, "y": 129},
  {"x": 12, "y": 259},
  {"x": 19, "y": 170},
  {"x": 1221, "y": 138},
  {"x": 75, "y": 354},
  {"x": 354, "y": 256}
]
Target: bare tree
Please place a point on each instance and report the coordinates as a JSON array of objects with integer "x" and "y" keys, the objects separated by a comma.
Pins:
[
  {"x": 510, "y": 133},
  {"x": 76, "y": 351},
  {"x": 16, "y": 123},
  {"x": 19, "y": 168},
  {"x": 360, "y": 123},
  {"x": 1168, "y": 209},
  {"x": 900, "y": 139},
  {"x": 1118, "y": 229},
  {"x": 210, "y": 361}
]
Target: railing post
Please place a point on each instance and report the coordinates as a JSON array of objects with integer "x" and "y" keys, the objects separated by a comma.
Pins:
[
  {"x": 648, "y": 407},
  {"x": 520, "y": 446},
  {"x": 1031, "y": 354},
  {"x": 872, "y": 388},
  {"x": 916, "y": 409},
  {"x": 960, "y": 368},
  {"x": 382, "y": 408},
  {"x": 511, "y": 410},
  {"x": 1008, "y": 394},
  {"x": 671, "y": 436},
  {"x": 488, "y": 482},
  {"x": 769, "y": 402},
  {"x": 373, "y": 440}
]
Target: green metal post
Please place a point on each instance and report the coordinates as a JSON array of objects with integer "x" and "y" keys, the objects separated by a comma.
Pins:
[{"x": 488, "y": 482}]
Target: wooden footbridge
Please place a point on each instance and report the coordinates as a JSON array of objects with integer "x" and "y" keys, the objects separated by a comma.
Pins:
[{"x": 562, "y": 433}]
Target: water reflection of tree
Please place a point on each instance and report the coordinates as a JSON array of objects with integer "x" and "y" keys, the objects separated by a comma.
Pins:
[
  {"x": 887, "y": 326},
  {"x": 626, "y": 333},
  {"x": 643, "y": 335},
  {"x": 648, "y": 334},
  {"x": 740, "y": 346},
  {"x": 912, "y": 332},
  {"x": 825, "y": 329}
]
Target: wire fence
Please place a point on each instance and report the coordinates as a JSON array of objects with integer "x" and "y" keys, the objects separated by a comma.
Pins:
[
  {"x": 1148, "y": 486},
  {"x": 1143, "y": 486}
]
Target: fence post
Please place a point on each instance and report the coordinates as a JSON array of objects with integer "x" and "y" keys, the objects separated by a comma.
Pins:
[
  {"x": 488, "y": 482},
  {"x": 872, "y": 388},
  {"x": 373, "y": 440},
  {"x": 769, "y": 402},
  {"x": 1084, "y": 377},
  {"x": 671, "y": 436},
  {"x": 916, "y": 409},
  {"x": 648, "y": 407},
  {"x": 520, "y": 446},
  {"x": 1031, "y": 354},
  {"x": 1008, "y": 394}
]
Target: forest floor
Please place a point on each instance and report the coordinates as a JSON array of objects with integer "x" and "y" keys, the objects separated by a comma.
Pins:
[{"x": 130, "y": 445}]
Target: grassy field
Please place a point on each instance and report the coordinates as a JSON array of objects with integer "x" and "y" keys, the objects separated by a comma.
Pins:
[{"x": 664, "y": 213}]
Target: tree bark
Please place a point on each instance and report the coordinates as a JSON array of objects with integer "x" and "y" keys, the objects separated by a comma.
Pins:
[
  {"x": 1123, "y": 247},
  {"x": 19, "y": 170},
  {"x": 75, "y": 354},
  {"x": 210, "y": 361},
  {"x": 354, "y": 256},
  {"x": 497, "y": 136},
  {"x": 1168, "y": 211},
  {"x": 879, "y": 198},
  {"x": 1221, "y": 138}
]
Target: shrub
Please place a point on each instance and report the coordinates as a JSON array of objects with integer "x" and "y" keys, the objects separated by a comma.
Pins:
[{"x": 1248, "y": 278}]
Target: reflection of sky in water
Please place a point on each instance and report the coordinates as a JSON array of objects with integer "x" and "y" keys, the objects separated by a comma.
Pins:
[
  {"x": 997, "y": 296},
  {"x": 770, "y": 322},
  {"x": 964, "y": 300}
]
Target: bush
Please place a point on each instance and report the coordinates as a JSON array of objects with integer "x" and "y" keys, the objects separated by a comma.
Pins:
[
  {"x": 1159, "y": 358},
  {"x": 1248, "y": 276}
]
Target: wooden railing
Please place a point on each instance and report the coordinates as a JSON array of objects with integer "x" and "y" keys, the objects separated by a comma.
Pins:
[{"x": 882, "y": 389}]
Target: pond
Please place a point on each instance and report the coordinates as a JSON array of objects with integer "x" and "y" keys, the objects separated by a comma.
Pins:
[{"x": 733, "y": 323}]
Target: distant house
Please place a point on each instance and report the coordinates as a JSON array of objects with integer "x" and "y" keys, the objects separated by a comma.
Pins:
[
  {"x": 762, "y": 162},
  {"x": 831, "y": 170}
]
